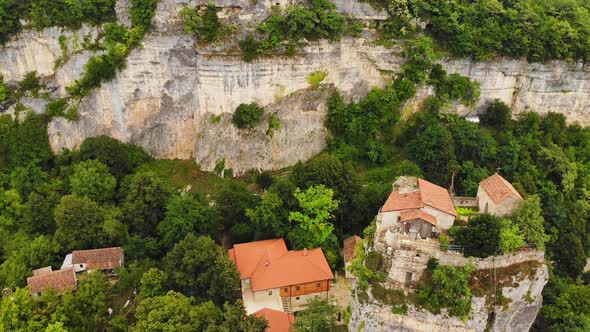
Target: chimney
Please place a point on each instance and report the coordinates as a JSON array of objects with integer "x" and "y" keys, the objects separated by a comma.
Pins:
[{"x": 304, "y": 251}]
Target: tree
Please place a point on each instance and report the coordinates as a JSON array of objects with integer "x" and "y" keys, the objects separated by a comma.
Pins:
[
  {"x": 86, "y": 308},
  {"x": 270, "y": 216},
  {"x": 433, "y": 150},
  {"x": 448, "y": 287},
  {"x": 152, "y": 283},
  {"x": 497, "y": 115},
  {"x": 121, "y": 159},
  {"x": 469, "y": 177},
  {"x": 529, "y": 218},
  {"x": 247, "y": 116},
  {"x": 92, "y": 179},
  {"x": 26, "y": 178},
  {"x": 198, "y": 267},
  {"x": 570, "y": 311},
  {"x": 20, "y": 263},
  {"x": 569, "y": 255},
  {"x": 232, "y": 200},
  {"x": 511, "y": 237},
  {"x": 79, "y": 223},
  {"x": 175, "y": 312},
  {"x": 189, "y": 213},
  {"x": 16, "y": 310},
  {"x": 317, "y": 205},
  {"x": 481, "y": 237},
  {"x": 319, "y": 315},
  {"x": 144, "y": 205},
  {"x": 206, "y": 26}
]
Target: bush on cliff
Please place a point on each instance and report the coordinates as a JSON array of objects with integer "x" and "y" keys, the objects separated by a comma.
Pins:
[{"x": 247, "y": 116}]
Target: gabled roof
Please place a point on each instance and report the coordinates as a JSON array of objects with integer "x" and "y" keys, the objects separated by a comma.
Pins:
[
  {"x": 270, "y": 265},
  {"x": 498, "y": 189},
  {"x": 278, "y": 321},
  {"x": 60, "y": 281},
  {"x": 349, "y": 246},
  {"x": 426, "y": 194},
  {"x": 417, "y": 214},
  {"x": 105, "y": 258}
]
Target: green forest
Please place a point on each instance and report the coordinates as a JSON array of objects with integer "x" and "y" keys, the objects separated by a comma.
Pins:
[{"x": 175, "y": 221}]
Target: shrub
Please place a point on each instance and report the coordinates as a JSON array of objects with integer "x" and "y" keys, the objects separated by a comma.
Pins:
[
  {"x": 432, "y": 264},
  {"x": 247, "y": 116},
  {"x": 264, "y": 179},
  {"x": 3, "y": 89},
  {"x": 446, "y": 287},
  {"x": 496, "y": 115},
  {"x": 219, "y": 166},
  {"x": 249, "y": 47},
  {"x": 56, "y": 107},
  {"x": 273, "y": 124},
  {"x": 141, "y": 12},
  {"x": 315, "y": 78},
  {"x": 374, "y": 261},
  {"x": 30, "y": 83},
  {"x": 206, "y": 27}
]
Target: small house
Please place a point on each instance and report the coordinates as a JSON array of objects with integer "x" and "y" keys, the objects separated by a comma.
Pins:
[
  {"x": 497, "y": 196},
  {"x": 273, "y": 277},
  {"x": 60, "y": 281},
  {"x": 417, "y": 206},
  {"x": 105, "y": 260}
]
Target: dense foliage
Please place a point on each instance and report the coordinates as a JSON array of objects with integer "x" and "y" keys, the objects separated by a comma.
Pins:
[
  {"x": 445, "y": 286},
  {"x": 205, "y": 26},
  {"x": 537, "y": 30},
  {"x": 247, "y": 116},
  {"x": 39, "y": 14},
  {"x": 284, "y": 30}
]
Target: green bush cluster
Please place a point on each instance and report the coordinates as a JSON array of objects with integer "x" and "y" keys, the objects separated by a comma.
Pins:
[
  {"x": 447, "y": 287},
  {"x": 537, "y": 30},
  {"x": 247, "y": 116},
  {"x": 41, "y": 14},
  {"x": 205, "y": 26},
  {"x": 285, "y": 29},
  {"x": 119, "y": 41}
]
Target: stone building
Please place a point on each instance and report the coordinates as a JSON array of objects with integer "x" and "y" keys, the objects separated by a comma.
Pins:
[
  {"x": 497, "y": 196},
  {"x": 44, "y": 279},
  {"x": 275, "y": 278},
  {"x": 417, "y": 206},
  {"x": 103, "y": 259}
]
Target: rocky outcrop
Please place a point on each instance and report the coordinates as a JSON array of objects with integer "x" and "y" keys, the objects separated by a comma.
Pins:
[
  {"x": 520, "y": 284},
  {"x": 170, "y": 87}
]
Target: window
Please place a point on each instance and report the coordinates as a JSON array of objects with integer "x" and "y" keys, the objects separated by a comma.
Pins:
[
  {"x": 81, "y": 265},
  {"x": 269, "y": 292},
  {"x": 297, "y": 298},
  {"x": 286, "y": 289},
  {"x": 318, "y": 285},
  {"x": 408, "y": 277},
  {"x": 297, "y": 288}
]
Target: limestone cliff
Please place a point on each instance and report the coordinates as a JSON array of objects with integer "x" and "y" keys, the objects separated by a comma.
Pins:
[
  {"x": 170, "y": 87},
  {"x": 507, "y": 297}
]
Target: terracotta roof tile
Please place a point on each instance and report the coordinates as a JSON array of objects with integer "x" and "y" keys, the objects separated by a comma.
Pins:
[
  {"x": 270, "y": 265},
  {"x": 278, "y": 321},
  {"x": 60, "y": 281},
  {"x": 406, "y": 201},
  {"x": 436, "y": 197},
  {"x": 349, "y": 246},
  {"x": 417, "y": 214},
  {"x": 105, "y": 258},
  {"x": 498, "y": 189},
  {"x": 427, "y": 194}
]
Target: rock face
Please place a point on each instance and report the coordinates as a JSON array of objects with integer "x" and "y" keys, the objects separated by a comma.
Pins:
[
  {"x": 170, "y": 87},
  {"x": 521, "y": 301}
]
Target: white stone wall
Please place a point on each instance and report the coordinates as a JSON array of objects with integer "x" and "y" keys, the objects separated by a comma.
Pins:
[
  {"x": 443, "y": 219},
  {"x": 504, "y": 208}
]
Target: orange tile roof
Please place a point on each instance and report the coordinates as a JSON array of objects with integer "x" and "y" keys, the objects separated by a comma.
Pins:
[
  {"x": 349, "y": 246},
  {"x": 105, "y": 258},
  {"x": 417, "y": 214},
  {"x": 278, "y": 321},
  {"x": 397, "y": 201},
  {"x": 427, "y": 194},
  {"x": 270, "y": 265},
  {"x": 60, "y": 281},
  {"x": 498, "y": 189}
]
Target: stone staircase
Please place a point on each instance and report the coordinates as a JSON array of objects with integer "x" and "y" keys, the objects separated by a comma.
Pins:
[{"x": 287, "y": 304}]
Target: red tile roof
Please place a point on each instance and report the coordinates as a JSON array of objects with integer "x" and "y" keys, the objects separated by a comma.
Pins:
[
  {"x": 349, "y": 246},
  {"x": 498, "y": 189},
  {"x": 270, "y": 265},
  {"x": 100, "y": 259},
  {"x": 417, "y": 214},
  {"x": 278, "y": 321},
  {"x": 427, "y": 193},
  {"x": 60, "y": 281}
]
